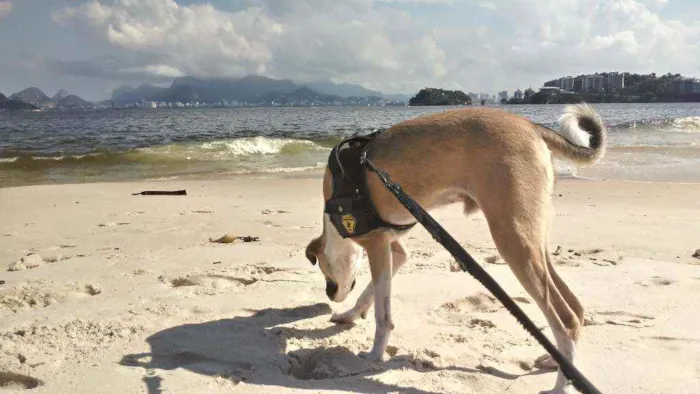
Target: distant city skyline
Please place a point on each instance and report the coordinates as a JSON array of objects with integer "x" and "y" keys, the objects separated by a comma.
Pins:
[{"x": 394, "y": 46}]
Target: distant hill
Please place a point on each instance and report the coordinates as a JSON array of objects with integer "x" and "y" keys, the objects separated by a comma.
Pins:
[
  {"x": 38, "y": 99},
  {"x": 33, "y": 96},
  {"x": 181, "y": 94},
  {"x": 213, "y": 90},
  {"x": 62, "y": 93},
  {"x": 432, "y": 96},
  {"x": 352, "y": 90},
  {"x": 6, "y": 103},
  {"x": 252, "y": 88},
  {"x": 72, "y": 101},
  {"x": 299, "y": 95},
  {"x": 127, "y": 93}
]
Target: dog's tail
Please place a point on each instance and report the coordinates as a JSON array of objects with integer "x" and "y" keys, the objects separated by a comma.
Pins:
[{"x": 581, "y": 136}]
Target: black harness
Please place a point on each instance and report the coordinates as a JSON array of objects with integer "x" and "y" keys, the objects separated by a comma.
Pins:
[{"x": 350, "y": 208}]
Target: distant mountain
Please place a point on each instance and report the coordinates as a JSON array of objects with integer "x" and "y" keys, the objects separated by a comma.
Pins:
[
  {"x": 342, "y": 89},
  {"x": 72, "y": 101},
  {"x": 252, "y": 88},
  {"x": 352, "y": 90},
  {"x": 299, "y": 95},
  {"x": 129, "y": 94},
  {"x": 6, "y": 103},
  {"x": 181, "y": 93},
  {"x": 61, "y": 100},
  {"x": 33, "y": 96},
  {"x": 213, "y": 90},
  {"x": 59, "y": 95}
]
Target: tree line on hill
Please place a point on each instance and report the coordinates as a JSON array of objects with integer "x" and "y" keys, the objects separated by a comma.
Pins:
[{"x": 433, "y": 96}]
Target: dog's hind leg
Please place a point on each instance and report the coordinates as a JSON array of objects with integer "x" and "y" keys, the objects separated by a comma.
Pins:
[
  {"x": 526, "y": 257},
  {"x": 518, "y": 224},
  {"x": 364, "y": 302},
  {"x": 546, "y": 361},
  {"x": 568, "y": 295}
]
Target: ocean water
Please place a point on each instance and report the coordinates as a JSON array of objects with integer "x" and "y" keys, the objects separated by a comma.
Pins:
[{"x": 647, "y": 142}]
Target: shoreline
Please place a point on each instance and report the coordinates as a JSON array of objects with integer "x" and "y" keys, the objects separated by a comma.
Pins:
[{"x": 582, "y": 174}]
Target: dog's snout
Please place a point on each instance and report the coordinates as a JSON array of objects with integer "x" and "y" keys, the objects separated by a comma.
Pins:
[{"x": 331, "y": 289}]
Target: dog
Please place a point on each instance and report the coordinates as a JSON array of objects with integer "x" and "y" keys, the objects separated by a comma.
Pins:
[{"x": 488, "y": 159}]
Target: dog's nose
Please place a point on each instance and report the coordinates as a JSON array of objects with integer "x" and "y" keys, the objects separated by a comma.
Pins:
[{"x": 331, "y": 289}]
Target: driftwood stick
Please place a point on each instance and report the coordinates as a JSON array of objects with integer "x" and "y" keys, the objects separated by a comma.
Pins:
[{"x": 161, "y": 193}]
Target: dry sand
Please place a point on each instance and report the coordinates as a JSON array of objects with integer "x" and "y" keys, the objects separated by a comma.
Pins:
[{"x": 125, "y": 294}]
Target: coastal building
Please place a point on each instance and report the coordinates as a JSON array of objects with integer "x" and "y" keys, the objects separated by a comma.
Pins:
[
  {"x": 503, "y": 95},
  {"x": 615, "y": 81},
  {"x": 566, "y": 83},
  {"x": 518, "y": 95},
  {"x": 592, "y": 83}
]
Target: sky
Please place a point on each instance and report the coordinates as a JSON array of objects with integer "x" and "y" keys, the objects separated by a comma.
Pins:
[{"x": 89, "y": 47}]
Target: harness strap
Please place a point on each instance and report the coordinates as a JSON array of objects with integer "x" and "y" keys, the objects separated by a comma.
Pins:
[{"x": 350, "y": 207}]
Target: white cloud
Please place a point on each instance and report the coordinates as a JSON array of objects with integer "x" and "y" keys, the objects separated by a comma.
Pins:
[
  {"x": 158, "y": 70},
  {"x": 350, "y": 41},
  {"x": 655, "y": 3},
  {"x": 378, "y": 44},
  {"x": 552, "y": 38},
  {"x": 5, "y": 9}
]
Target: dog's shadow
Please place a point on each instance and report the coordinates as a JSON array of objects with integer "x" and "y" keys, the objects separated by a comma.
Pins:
[{"x": 253, "y": 349}]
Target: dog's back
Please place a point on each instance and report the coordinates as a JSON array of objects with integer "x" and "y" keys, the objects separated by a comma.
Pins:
[{"x": 463, "y": 154}]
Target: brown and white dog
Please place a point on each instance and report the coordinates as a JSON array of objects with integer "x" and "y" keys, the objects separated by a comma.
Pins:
[{"x": 487, "y": 159}]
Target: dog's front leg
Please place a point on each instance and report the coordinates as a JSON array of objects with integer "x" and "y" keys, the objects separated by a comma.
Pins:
[
  {"x": 364, "y": 301},
  {"x": 380, "y": 261}
]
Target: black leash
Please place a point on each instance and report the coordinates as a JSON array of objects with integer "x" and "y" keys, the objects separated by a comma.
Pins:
[{"x": 468, "y": 264}]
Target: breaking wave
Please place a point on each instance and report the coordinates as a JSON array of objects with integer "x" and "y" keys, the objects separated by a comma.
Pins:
[
  {"x": 260, "y": 146},
  {"x": 688, "y": 124},
  {"x": 229, "y": 150}
]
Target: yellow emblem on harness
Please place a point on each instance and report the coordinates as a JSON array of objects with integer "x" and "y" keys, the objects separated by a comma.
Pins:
[{"x": 349, "y": 223}]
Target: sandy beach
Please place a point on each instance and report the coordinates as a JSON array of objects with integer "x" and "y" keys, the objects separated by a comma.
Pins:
[{"x": 105, "y": 292}]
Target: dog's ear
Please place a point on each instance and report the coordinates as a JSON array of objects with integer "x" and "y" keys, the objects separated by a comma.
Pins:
[{"x": 313, "y": 249}]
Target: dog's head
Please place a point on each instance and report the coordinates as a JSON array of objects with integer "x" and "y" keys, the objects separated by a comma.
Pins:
[{"x": 338, "y": 258}]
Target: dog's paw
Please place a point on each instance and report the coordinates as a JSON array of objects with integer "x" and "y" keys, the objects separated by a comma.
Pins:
[
  {"x": 341, "y": 319},
  {"x": 372, "y": 356},
  {"x": 348, "y": 317},
  {"x": 546, "y": 361}
]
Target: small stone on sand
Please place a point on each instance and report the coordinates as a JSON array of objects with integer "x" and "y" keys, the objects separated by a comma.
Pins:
[
  {"x": 495, "y": 259},
  {"x": 27, "y": 262},
  {"x": 271, "y": 211}
]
